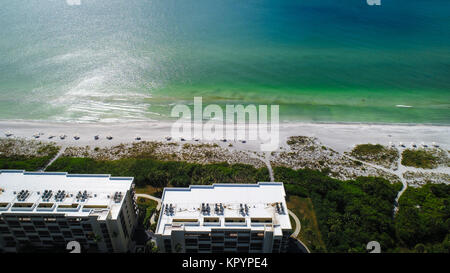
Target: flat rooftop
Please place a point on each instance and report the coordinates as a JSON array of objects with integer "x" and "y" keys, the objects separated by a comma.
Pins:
[
  {"x": 236, "y": 206},
  {"x": 79, "y": 194}
]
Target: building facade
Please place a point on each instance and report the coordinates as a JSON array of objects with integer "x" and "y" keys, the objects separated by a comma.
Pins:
[
  {"x": 222, "y": 218},
  {"x": 46, "y": 211}
]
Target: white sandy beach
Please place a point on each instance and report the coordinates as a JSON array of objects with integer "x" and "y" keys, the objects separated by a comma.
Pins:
[{"x": 340, "y": 137}]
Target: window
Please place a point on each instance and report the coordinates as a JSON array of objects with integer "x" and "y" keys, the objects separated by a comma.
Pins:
[
  {"x": 242, "y": 249},
  {"x": 257, "y": 236},
  {"x": 35, "y": 239},
  {"x": 14, "y": 223},
  {"x": 243, "y": 239},
  {"x": 4, "y": 230},
  {"x": 58, "y": 238},
  {"x": 230, "y": 244},
  {"x": 54, "y": 229},
  {"x": 191, "y": 242},
  {"x": 204, "y": 246},
  {"x": 204, "y": 237},
  {"x": 87, "y": 227},
  {"x": 256, "y": 246},
  {"x": 29, "y": 228},
  {"x": 39, "y": 223},
  {"x": 77, "y": 231},
  {"x": 217, "y": 239},
  {"x": 44, "y": 233},
  {"x": 11, "y": 244},
  {"x": 19, "y": 233},
  {"x": 167, "y": 245},
  {"x": 231, "y": 234},
  {"x": 217, "y": 248}
]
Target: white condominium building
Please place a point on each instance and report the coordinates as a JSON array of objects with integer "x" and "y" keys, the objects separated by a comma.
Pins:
[
  {"x": 44, "y": 210},
  {"x": 233, "y": 218}
]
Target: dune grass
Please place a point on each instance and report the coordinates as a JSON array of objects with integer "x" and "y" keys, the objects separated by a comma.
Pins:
[{"x": 419, "y": 159}]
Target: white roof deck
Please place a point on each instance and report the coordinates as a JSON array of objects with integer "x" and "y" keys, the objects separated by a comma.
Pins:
[
  {"x": 100, "y": 190},
  {"x": 260, "y": 198}
]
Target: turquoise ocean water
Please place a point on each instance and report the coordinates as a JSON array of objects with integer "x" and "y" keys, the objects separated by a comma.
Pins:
[{"x": 320, "y": 60}]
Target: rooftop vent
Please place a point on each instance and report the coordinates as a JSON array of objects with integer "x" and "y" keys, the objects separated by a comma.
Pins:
[
  {"x": 118, "y": 197},
  {"x": 169, "y": 209},
  {"x": 206, "y": 209},
  {"x": 60, "y": 195},
  {"x": 280, "y": 208},
  {"x": 243, "y": 209},
  {"x": 46, "y": 195},
  {"x": 218, "y": 208},
  {"x": 82, "y": 196},
  {"x": 23, "y": 195}
]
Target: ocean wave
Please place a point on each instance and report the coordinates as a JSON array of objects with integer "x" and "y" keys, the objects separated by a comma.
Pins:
[{"x": 403, "y": 106}]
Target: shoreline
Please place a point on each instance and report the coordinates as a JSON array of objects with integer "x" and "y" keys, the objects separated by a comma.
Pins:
[
  {"x": 283, "y": 122},
  {"x": 339, "y": 136}
]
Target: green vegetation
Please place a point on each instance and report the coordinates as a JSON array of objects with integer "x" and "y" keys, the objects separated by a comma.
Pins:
[
  {"x": 147, "y": 189},
  {"x": 336, "y": 216},
  {"x": 29, "y": 162},
  {"x": 309, "y": 232},
  {"x": 423, "y": 221},
  {"x": 349, "y": 214},
  {"x": 419, "y": 159},
  {"x": 151, "y": 247},
  {"x": 375, "y": 153},
  {"x": 368, "y": 149},
  {"x": 24, "y": 163},
  {"x": 146, "y": 209},
  {"x": 164, "y": 173}
]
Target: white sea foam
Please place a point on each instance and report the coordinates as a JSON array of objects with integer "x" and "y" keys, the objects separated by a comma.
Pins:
[{"x": 403, "y": 106}]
